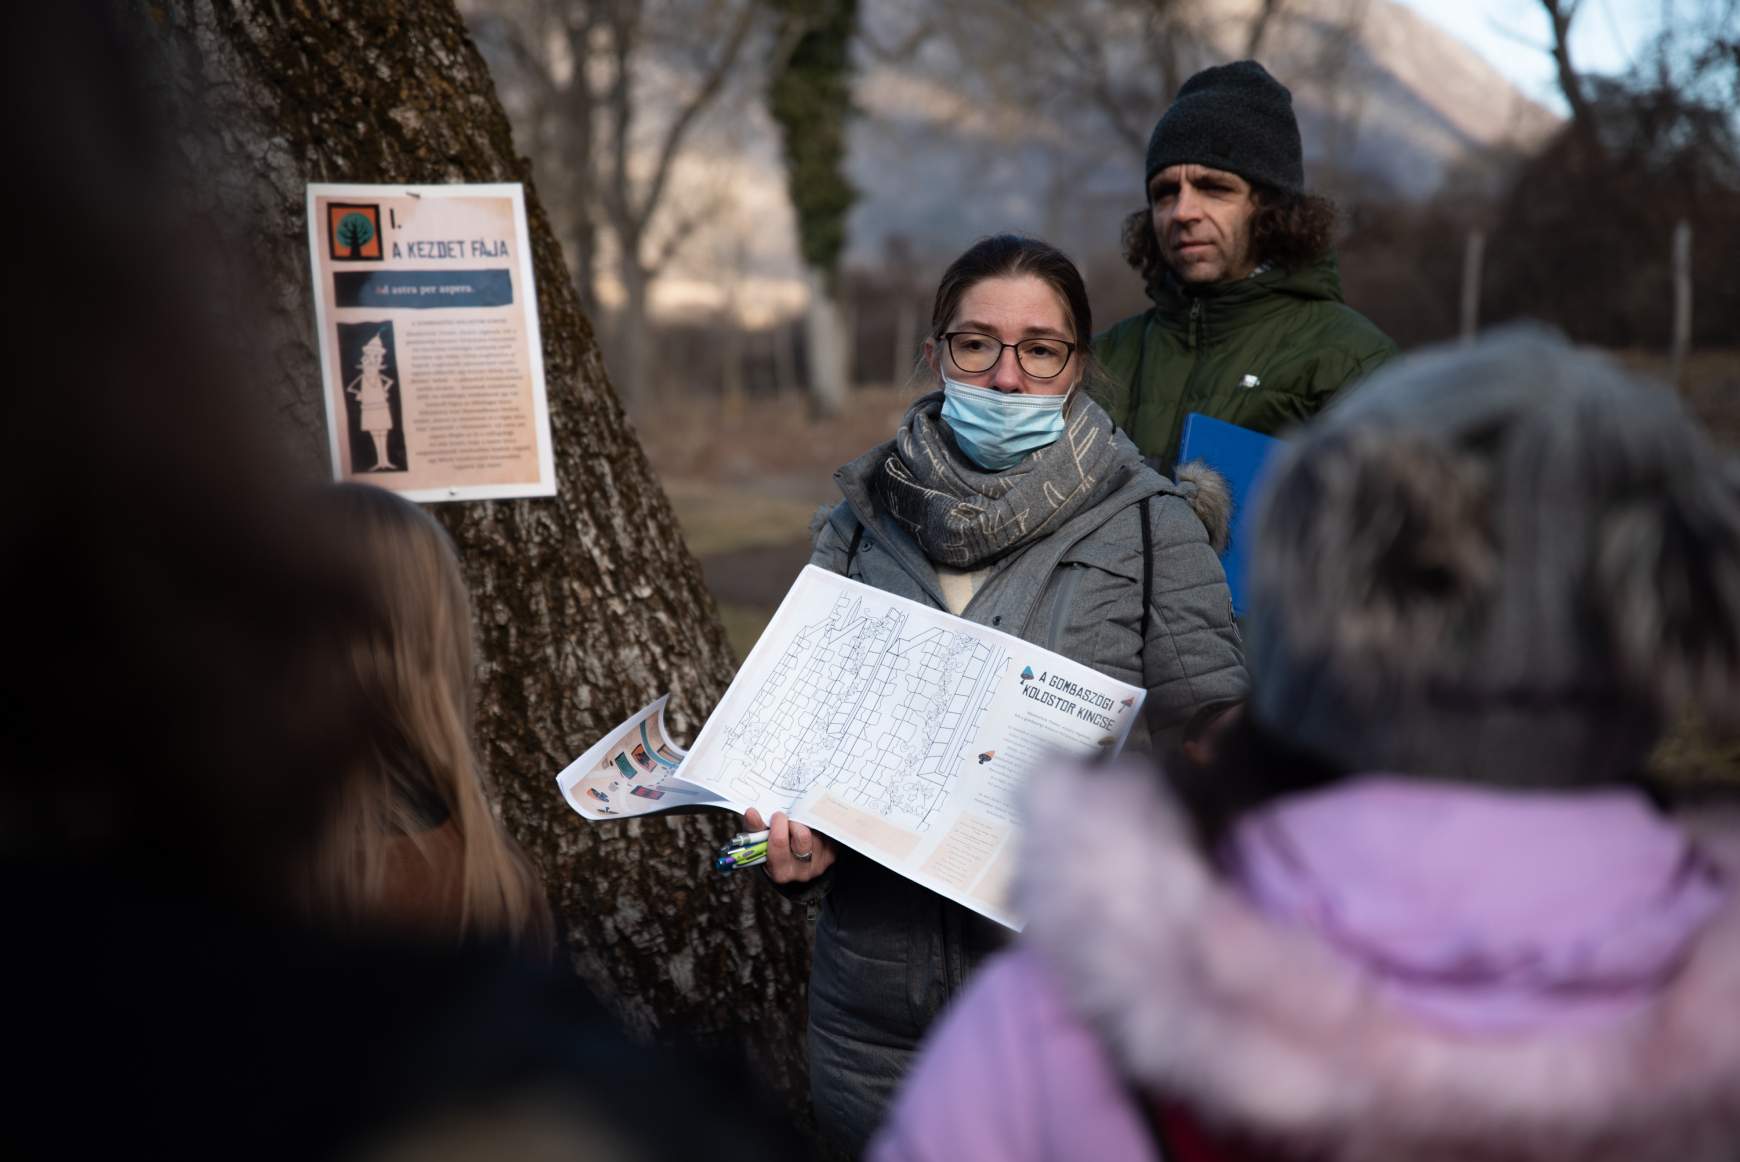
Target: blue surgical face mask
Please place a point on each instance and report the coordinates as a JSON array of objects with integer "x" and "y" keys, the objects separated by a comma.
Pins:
[{"x": 997, "y": 428}]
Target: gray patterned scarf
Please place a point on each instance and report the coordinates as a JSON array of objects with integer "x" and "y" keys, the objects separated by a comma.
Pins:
[{"x": 963, "y": 516}]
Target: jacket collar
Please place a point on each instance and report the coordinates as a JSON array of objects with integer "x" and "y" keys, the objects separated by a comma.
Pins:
[
  {"x": 1264, "y": 1029},
  {"x": 1242, "y": 302}
]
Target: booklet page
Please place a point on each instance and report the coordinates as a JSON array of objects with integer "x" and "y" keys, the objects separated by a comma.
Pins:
[{"x": 903, "y": 731}]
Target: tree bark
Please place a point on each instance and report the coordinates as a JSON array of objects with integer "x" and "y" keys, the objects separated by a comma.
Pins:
[{"x": 587, "y": 605}]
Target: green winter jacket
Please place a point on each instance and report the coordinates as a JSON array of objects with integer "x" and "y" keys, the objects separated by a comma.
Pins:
[{"x": 1263, "y": 352}]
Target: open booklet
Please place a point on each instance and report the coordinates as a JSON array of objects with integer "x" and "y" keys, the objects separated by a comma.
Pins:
[{"x": 899, "y": 730}]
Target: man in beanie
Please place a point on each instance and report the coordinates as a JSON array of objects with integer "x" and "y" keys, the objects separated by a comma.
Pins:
[{"x": 1248, "y": 324}]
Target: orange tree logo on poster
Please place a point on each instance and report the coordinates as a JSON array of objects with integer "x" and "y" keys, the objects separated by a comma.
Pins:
[{"x": 353, "y": 232}]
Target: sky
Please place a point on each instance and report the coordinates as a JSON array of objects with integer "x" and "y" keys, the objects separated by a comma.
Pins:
[{"x": 1606, "y": 35}]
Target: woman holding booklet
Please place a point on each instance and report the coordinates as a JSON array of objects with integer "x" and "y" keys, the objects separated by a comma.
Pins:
[{"x": 1008, "y": 498}]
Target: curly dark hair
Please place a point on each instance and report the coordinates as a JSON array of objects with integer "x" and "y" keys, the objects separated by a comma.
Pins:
[{"x": 1289, "y": 231}]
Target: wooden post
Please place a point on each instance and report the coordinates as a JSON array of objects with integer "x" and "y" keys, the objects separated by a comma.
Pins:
[
  {"x": 1472, "y": 257},
  {"x": 783, "y": 335},
  {"x": 1682, "y": 337},
  {"x": 732, "y": 390},
  {"x": 905, "y": 336}
]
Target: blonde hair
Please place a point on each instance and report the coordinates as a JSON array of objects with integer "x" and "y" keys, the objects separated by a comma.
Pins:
[{"x": 385, "y": 858}]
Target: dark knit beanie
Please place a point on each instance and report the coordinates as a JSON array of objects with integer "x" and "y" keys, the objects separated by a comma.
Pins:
[
  {"x": 1507, "y": 564},
  {"x": 1234, "y": 117}
]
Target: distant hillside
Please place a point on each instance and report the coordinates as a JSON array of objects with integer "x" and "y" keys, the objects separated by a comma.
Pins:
[
  {"x": 1424, "y": 101},
  {"x": 970, "y": 131},
  {"x": 1388, "y": 113}
]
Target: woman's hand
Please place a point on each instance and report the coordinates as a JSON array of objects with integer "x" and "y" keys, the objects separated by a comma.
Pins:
[{"x": 795, "y": 854}]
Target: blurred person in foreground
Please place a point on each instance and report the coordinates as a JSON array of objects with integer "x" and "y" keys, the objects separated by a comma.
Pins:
[
  {"x": 176, "y": 726},
  {"x": 1248, "y": 324},
  {"x": 1424, "y": 907},
  {"x": 1007, "y": 498},
  {"x": 411, "y": 842}
]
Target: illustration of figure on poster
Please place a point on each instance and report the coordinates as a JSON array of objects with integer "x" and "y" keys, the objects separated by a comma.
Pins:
[{"x": 373, "y": 403}]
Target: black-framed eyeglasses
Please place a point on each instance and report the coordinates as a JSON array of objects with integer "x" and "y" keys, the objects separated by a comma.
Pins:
[{"x": 1041, "y": 358}]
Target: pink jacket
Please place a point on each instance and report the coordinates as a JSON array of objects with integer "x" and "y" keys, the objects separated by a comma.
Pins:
[{"x": 1143, "y": 962}]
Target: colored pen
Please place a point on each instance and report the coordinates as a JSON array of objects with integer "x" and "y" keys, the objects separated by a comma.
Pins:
[
  {"x": 744, "y": 838},
  {"x": 745, "y": 849}
]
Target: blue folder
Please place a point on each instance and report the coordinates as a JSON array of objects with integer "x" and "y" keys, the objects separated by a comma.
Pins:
[{"x": 1240, "y": 455}]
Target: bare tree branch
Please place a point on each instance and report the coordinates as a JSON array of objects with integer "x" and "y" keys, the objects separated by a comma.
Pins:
[
  {"x": 1520, "y": 38},
  {"x": 682, "y": 230},
  {"x": 1089, "y": 62},
  {"x": 901, "y": 50},
  {"x": 789, "y": 33},
  {"x": 532, "y": 68},
  {"x": 578, "y": 134},
  {"x": 1562, "y": 13},
  {"x": 621, "y": 22},
  {"x": 1260, "y": 26},
  {"x": 703, "y": 96},
  {"x": 610, "y": 142}
]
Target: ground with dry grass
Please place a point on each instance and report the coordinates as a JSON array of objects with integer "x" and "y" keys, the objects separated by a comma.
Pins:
[{"x": 746, "y": 483}]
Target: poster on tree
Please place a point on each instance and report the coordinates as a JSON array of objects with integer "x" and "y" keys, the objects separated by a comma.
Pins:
[{"x": 429, "y": 349}]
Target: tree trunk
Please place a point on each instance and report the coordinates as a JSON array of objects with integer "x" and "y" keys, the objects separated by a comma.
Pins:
[
  {"x": 1560, "y": 13},
  {"x": 633, "y": 341},
  {"x": 587, "y": 604},
  {"x": 579, "y": 139},
  {"x": 828, "y": 345}
]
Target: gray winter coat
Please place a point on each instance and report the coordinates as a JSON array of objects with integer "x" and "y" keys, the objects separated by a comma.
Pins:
[{"x": 889, "y": 954}]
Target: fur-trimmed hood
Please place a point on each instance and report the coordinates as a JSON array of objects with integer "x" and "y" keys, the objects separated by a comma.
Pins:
[
  {"x": 1210, "y": 499},
  {"x": 1266, "y": 1030}
]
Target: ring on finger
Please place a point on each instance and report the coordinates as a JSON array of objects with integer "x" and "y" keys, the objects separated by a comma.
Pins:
[{"x": 803, "y": 856}]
